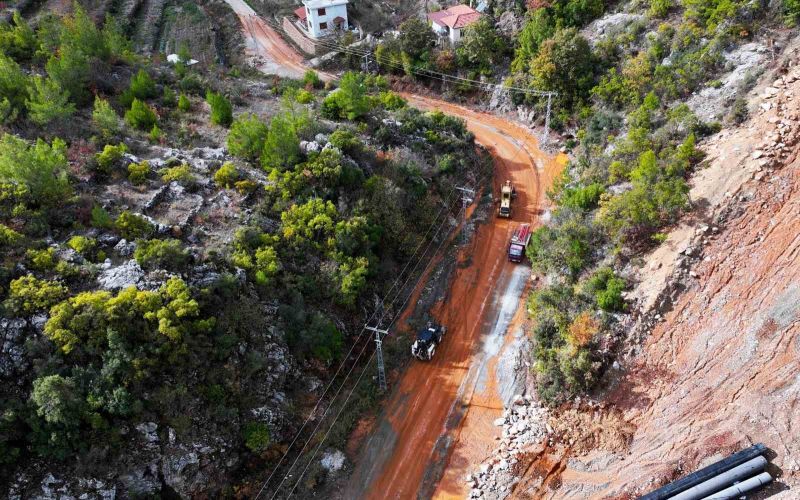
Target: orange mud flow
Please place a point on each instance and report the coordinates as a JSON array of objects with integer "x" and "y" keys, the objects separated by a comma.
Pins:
[{"x": 437, "y": 424}]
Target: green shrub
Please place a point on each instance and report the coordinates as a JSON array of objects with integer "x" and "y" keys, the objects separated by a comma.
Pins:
[
  {"x": 105, "y": 119},
  {"x": 138, "y": 172},
  {"x": 247, "y": 136},
  {"x": 48, "y": 102},
  {"x": 168, "y": 98},
  {"x": 311, "y": 79},
  {"x": 392, "y": 101},
  {"x": 349, "y": 101},
  {"x": 227, "y": 175},
  {"x": 83, "y": 245},
  {"x": 607, "y": 289},
  {"x": 132, "y": 226},
  {"x": 8, "y": 237},
  {"x": 346, "y": 141},
  {"x": 256, "y": 437},
  {"x": 110, "y": 155},
  {"x": 101, "y": 218},
  {"x": 156, "y": 135},
  {"x": 221, "y": 110},
  {"x": 41, "y": 259},
  {"x": 181, "y": 174},
  {"x": 142, "y": 87},
  {"x": 167, "y": 254},
  {"x": 140, "y": 116},
  {"x": 304, "y": 96},
  {"x": 13, "y": 89},
  {"x": 29, "y": 295},
  {"x": 282, "y": 145},
  {"x": 40, "y": 167},
  {"x": 18, "y": 40},
  {"x": 183, "y": 103}
]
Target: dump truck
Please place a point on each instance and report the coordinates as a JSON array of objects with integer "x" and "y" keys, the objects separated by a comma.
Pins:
[
  {"x": 519, "y": 242},
  {"x": 507, "y": 192},
  {"x": 427, "y": 339}
]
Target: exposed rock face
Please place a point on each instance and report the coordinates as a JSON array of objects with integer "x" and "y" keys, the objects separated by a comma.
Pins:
[
  {"x": 333, "y": 461},
  {"x": 12, "y": 349},
  {"x": 609, "y": 25},
  {"x": 123, "y": 276}
]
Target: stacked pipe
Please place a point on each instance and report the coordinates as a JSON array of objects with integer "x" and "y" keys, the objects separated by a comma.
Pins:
[{"x": 727, "y": 479}]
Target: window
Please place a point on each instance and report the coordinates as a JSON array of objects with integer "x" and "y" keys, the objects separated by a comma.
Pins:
[
  {"x": 320, "y": 12},
  {"x": 323, "y": 26}
]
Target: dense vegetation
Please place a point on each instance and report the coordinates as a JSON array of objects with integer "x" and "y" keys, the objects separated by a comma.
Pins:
[
  {"x": 338, "y": 187},
  {"x": 635, "y": 146}
]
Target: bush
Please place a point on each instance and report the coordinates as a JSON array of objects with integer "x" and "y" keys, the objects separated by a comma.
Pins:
[
  {"x": 227, "y": 175},
  {"x": 105, "y": 119},
  {"x": 101, "y": 219},
  {"x": 166, "y": 254},
  {"x": 607, "y": 290},
  {"x": 13, "y": 90},
  {"x": 168, "y": 98},
  {"x": 8, "y": 237},
  {"x": 311, "y": 79},
  {"x": 142, "y": 87},
  {"x": 29, "y": 295},
  {"x": 391, "y": 101},
  {"x": 247, "y": 136},
  {"x": 48, "y": 102},
  {"x": 221, "y": 110},
  {"x": 183, "y": 103},
  {"x": 304, "y": 96},
  {"x": 181, "y": 174},
  {"x": 138, "y": 172},
  {"x": 110, "y": 156},
  {"x": 346, "y": 141},
  {"x": 282, "y": 145},
  {"x": 140, "y": 116},
  {"x": 41, "y": 168},
  {"x": 132, "y": 226},
  {"x": 83, "y": 245},
  {"x": 18, "y": 41},
  {"x": 350, "y": 100},
  {"x": 256, "y": 437},
  {"x": 41, "y": 260},
  {"x": 156, "y": 135}
]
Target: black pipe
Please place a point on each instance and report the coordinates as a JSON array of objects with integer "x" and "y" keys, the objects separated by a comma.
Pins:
[{"x": 706, "y": 473}]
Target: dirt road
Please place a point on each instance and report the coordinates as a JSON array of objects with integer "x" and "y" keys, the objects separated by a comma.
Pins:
[
  {"x": 438, "y": 422},
  {"x": 268, "y": 51}
]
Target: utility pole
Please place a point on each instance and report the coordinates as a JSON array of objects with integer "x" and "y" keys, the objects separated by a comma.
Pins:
[
  {"x": 379, "y": 353},
  {"x": 466, "y": 198},
  {"x": 366, "y": 63},
  {"x": 546, "y": 130}
]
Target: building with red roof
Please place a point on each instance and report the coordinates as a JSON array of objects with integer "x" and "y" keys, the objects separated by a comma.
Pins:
[{"x": 449, "y": 22}]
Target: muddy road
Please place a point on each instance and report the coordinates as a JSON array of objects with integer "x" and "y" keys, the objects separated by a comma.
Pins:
[
  {"x": 438, "y": 422},
  {"x": 266, "y": 49}
]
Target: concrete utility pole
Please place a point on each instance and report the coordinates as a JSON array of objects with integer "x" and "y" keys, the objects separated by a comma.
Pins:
[
  {"x": 366, "y": 63},
  {"x": 546, "y": 130},
  {"x": 467, "y": 195},
  {"x": 379, "y": 354}
]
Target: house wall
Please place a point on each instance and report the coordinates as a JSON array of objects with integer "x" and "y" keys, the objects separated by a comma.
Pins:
[
  {"x": 455, "y": 35},
  {"x": 438, "y": 28},
  {"x": 331, "y": 13}
]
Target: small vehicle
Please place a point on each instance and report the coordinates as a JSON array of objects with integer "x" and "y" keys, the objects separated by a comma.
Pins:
[
  {"x": 427, "y": 339},
  {"x": 507, "y": 192},
  {"x": 519, "y": 242}
]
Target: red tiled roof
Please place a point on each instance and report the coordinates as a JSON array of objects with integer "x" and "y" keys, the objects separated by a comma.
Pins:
[
  {"x": 300, "y": 12},
  {"x": 455, "y": 17}
]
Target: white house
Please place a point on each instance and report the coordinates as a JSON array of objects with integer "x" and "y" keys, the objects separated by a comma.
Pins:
[
  {"x": 321, "y": 17},
  {"x": 450, "y": 22}
]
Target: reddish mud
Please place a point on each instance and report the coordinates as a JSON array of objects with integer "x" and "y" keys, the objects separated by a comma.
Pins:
[{"x": 438, "y": 421}]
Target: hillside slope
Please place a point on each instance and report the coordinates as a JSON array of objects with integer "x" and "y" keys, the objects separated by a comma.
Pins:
[{"x": 719, "y": 370}]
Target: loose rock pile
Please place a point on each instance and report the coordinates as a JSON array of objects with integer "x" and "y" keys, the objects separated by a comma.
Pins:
[{"x": 524, "y": 423}]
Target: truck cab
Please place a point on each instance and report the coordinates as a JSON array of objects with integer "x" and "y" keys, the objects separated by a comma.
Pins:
[{"x": 428, "y": 338}]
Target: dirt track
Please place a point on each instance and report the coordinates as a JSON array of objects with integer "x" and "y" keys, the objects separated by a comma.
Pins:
[
  {"x": 438, "y": 422},
  {"x": 268, "y": 50}
]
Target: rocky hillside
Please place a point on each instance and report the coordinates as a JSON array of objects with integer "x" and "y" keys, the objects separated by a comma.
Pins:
[{"x": 186, "y": 252}]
